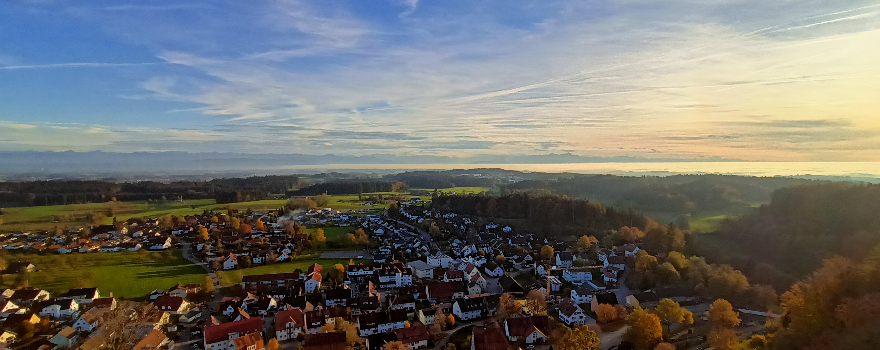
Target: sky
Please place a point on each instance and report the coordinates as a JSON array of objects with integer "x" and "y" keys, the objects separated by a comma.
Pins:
[{"x": 751, "y": 80}]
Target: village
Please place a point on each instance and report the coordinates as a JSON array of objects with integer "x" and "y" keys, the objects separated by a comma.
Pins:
[{"x": 484, "y": 286}]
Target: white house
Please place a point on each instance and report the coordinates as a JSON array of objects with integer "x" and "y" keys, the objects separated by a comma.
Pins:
[
  {"x": 564, "y": 260},
  {"x": 570, "y": 313},
  {"x": 439, "y": 260},
  {"x": 288, "y": 324},
  {"x": 582, "y": 295},
  {"x": 579, "y": 276},
  {"x": 59, "y": 308},
  {"x": 421, "y": 269},
  {"x": 531, "y": 329},
  {"x": 468, "y": 309},
  {"x": 88, "y": 322},
  {"x": 231, "y": 262},
  {"x": 313, "y": 284},
  {"x": 493, "y": 270}
]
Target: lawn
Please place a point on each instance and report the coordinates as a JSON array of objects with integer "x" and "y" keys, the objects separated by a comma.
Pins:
[
  {"x": 131, "y": 275},
  {"x": 333, "y": 232},
  {"x": 233, "y": 277}
]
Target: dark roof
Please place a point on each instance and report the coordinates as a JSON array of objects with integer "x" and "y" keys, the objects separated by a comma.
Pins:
[
  {"x": 522, "y": 326},
  {"x": 324, "y": 339},
  {"x": 221, "y": 332},
  {"x": 25, "y": 294},
  {"x": 412, "y": 334},
  {"x": 445, "y": 289},
  {"x": 489, "y": 338},
  {"x": 510, "y": 285},
  {"x": 567, "y": 307},
  {"x": 565, "y": 256},
  {"x": 17, "y": 267},
  {"x": 80, "y": 292},
  {"x": 377, "y": 341},
  {"x": 606, "y": 298}
]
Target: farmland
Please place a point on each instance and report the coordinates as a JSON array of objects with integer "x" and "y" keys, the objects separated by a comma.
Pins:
[{"x": 131, "y": 275}]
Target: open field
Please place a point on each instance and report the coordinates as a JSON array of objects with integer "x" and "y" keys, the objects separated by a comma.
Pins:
[
  {"x": 233, "y": 277},
  {"x": 332, "y": 232},
  {"x": 131, "y": 275}
]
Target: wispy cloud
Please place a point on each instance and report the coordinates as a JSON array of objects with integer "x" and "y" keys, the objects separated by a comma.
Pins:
[{"x": 79, "y": 65}]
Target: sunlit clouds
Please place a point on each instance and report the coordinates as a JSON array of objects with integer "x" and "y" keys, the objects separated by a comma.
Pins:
[{"x": 749, "y": 80}]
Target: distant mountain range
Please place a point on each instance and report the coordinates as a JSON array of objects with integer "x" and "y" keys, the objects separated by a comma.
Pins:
[{"x": 48, "y": 165}]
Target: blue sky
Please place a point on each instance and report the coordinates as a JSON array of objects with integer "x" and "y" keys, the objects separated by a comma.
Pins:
[{"x": 737, "y": 79}]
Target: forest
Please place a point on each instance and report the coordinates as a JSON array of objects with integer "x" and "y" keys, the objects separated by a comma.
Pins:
[
  {"x": 559, "y": 216},
  {"x": 802, "y": 225},
  {"x": 60, "y": 192}
]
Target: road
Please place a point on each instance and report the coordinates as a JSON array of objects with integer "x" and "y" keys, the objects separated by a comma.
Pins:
[
  {"x": 425, "y": 235},
  {"x": 215, "y": 301}
]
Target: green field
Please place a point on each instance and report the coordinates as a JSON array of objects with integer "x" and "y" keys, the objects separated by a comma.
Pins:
[
  {"x": 233, "y": 277},
  {"x": 332, "y": 232},
  {"x": 131, "y": 275}
]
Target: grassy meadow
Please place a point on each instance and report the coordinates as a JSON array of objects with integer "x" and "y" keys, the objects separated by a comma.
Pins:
[
  {"x": 131, "y": 275},
  {"x": 233, "y": 277}
]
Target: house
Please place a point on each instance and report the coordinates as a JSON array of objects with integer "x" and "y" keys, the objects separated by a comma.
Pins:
[
  {"x": 542, "y": 270},
  {"x": 6, "y": 337},
  {"x": 426, "y": 316},
  {"x": 191, "y": 316},
  {"x": 88, "y": 321},
  {"x": 530, "y": 328},
  {"x": 402, "y": 301},
  {"x": 415, "y": 337},
  {"x": 445, "y": 291},
  {"x": 26, "y": 297},
  {"x": 59, "y": 308},
  {"x": 582, "y": 295},
  {"x": 489, "y": 337},
  {"x": 555, "y": 283},
  {"x": 453, "y": 276},
  {"x": 325, "y": 341},
  {"x": 231, "y": 262},
  {"x": 643, "y": 299},
  {"x": 470, "y": 271},
  {"x": 579, "y": 276},
  {"x": 378, "y": 341},
  {"x": 169, "y": 304},
  {"x": 603, "y": 298},
  {"x": 270, "y": 281},
  {"x": 104, "y": 303},
  {"x": 65, "y": 338},
  {"x": 630, "y": 249},
  {"x": 19, "y": 267},
  {"x": 222, "y": 335},
  {"x": 252, "y": 341},
  {"x": 7, "y": 307},
  {"x": 154, "y": 340},
  {"x": 493, "y": 270},
  {"x": 570, "y": 313},
  {"x": 289, "y": 324},
  {"x": 313, "y": 284},
  {"x": 439, "y": 260},
  {"x": 184, "y": 290},
  {"x": 468, "y": 309},
  {"x": 511, "y": 286},
  {"x": 564, "y": 260},
  {"x": 81, "y": 295},
  {"x": 381, "y": 321},
  {"x": 421, "y": 269}
]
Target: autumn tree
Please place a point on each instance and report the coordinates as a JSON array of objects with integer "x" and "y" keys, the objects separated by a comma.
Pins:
[
  {"x": 259, "y": 225},
  {"x": 319, "y": 235},
  {"x": 678, "y": 260},
  {"x": 547, "y": 252},
  {"x": 645, "y": 261},
  {"x": 721, "y": 314},
  {"x": 645, "y": 331},
  {"x": 606, "y": 313},
  {"x": 398, "y": 187},
  {"x": 631, "y": 234},
  {"x": 671, "y": 312},
  {"x": 440, "y": 319},
  {"x": 203, "y": 233},
  {"x": 584, "y": 243},
  {"x": 273, "y": 345},
  {"x": 450, "y": 320},
  {"x": 723, "y": 339},
  {"x": 580, "y": 338},
  {"x": 509, "y": 306},
  {"x": 536, "y": 302},
  {"x": 234, "y": 222},
  {"x": 321, "y": 200},
  {"x": 208, "y": 286},
  {"x": 667, "y": 274}
]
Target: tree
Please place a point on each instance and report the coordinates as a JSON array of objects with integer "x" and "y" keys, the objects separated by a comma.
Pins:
[
  {"x": 208, "y": 286},
  {"x": 319, "y": 236},
  {"x": 584, "y": 243},
  {"x": 677, "y": 260},
  {"x": 547, "y": 252},
  {"x": 259, "y": 225},
  {"x": 234, "y": 222},
  {"x": 450, "y": 320},
  {"x": 440, "y": 319},
  {"x": 645, "y": 261},
  {"x": 723, "y": 339},
  {"x": 509, "y": 306},
  {"x": 536, "y": 302},
  {"x": 721, "y": 314},
  {"x": 396, "y": 345},
  {"x": 203, "y": 233},
  {"x": 273, "y": 345},
  {"x": 645, "y": 331},
  {"x": 500, "y": 259},
  {"x": 670, "y": 312},
  {"x": 667, "y": 274},
  {"x": 321, "y": 200},
  {"x": 581, "y": 338},
  {"x": 606, "y": 313},
  {"x": 398, "y": 187},
  {"x": 757, "y": 341},
  {"x": 631, "y": 234}
]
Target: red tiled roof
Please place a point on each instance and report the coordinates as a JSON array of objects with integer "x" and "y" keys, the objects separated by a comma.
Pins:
[
  {"x": 221, "y": 332},
  {"x": 283, "y": 317},
  {"x": 489, "y": 338},
  {"x": 412, "y": 334},
  {"x": 242, "y": 343}
]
